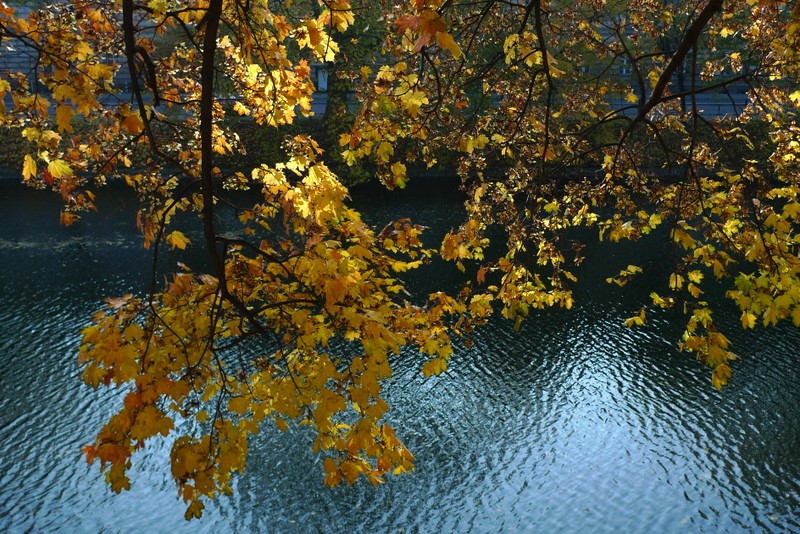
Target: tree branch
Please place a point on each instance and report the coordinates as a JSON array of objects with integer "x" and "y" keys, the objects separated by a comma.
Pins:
[
  {"x": 687, "y": 43},
  {"x": 207, "y": 76}
]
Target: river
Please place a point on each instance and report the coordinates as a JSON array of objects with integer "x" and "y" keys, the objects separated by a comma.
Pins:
[{"x": 574, "y": 424}]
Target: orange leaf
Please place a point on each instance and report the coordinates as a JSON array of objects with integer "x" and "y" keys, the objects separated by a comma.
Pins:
[
  {"x": 67, "y": 218},
  {"x": 132, "y": 123},
  {"x": 64, "y": 116},
  {"x": 407, "y": 23},
  {"x": 447, "y": 42}
]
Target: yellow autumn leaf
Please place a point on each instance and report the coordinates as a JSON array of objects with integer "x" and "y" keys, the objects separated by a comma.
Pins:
[
  {"x": 159, "y": 7},
  {"x": 654, "y": 220},
  {"x": 480, "y": 141},
  {"x": 177, "y": 240},
  {"x": 239, "y": 405},
  {"x": 447, "y": 42},
  {"x": 683, "y": 237},
  {"x": 64, "y": 116},
  {"x": 721, "y": 375},
  {"x": 385, "y": 151},
  {"x": 435, "y": 366},
  {"x": 413, "y": 100},
  {"x": 694, "y": 290},
  {"x": 792, "y": 210},
  {"x": 28, "y": 167},
  {"x": 132, "y": 123},
  {"x": 240, "y": 108},
  {"x": 195, "y": 510},
  {"x": 82, "y": 51},
  {"x": 68, "y": 218},
  {"x": 675, "y": 281},
  {"x": 59, "y": 168},
  {"x": 637, "y": 320},
  {"x": 660, "y": 301},
  {"x": 118, "y": 482},
  {"x": 399, "y": 174},
  {"x": 653, "y": 77},
  {"x": 551, "y": 207},
  {"x": 770, "y": 316}
]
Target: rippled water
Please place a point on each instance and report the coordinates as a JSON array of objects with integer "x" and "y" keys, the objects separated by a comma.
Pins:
[{"x": 573, "y": 424}]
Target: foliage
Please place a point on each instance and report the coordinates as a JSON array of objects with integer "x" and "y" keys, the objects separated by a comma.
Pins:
[
  {"x": 259, "y": 143},
  {"x": 562, "y": 116}
]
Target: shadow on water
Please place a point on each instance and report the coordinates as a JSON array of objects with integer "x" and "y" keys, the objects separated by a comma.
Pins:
[{"x": 573, "y": 424}]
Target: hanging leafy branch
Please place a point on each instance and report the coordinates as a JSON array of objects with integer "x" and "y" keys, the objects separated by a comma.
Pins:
[{"x": 561, "y": 116}]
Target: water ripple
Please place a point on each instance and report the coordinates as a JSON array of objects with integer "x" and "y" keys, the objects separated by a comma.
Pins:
[{"x": 574, "y": 424}]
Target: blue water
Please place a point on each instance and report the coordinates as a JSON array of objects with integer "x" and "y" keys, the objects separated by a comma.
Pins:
[{"x": 573, "y": 424}]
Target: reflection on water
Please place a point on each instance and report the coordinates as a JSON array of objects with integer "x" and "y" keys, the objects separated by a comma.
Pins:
[{"x": 574, "y": 424}]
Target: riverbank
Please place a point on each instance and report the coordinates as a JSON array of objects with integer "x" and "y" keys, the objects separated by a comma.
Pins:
[{"x": 263, "y": 145}]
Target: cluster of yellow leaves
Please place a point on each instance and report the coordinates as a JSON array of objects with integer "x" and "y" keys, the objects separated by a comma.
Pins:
[
  {"x": 523, "y": 48},
  {"x": 313, "y": 283},
  {"x": 394, "y": 112},
  {"x": 324, "y": 297},
  {"x": 307, "y": 305},
  {"x": 424, "y": 27},
  {"x": 75, "y": 74},
  {"x": 537, "y": 122}
]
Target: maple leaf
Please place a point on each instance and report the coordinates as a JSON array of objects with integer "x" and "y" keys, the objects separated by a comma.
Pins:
[
  {"x": 64, "y": 116},
  {"x": 398, "y": 175},
  {"x": 68, "y": 218},
  {"x": 435, "y": 366},
  {"x": 721, "y": 375},
  {"x": 748, "y": 320},
  {"x": 410, "y": 22},
  {"x": 28, "y": 167},
  {"x": 119, "y": 302},
  {"x": 792, "y": 210},
  {"x": 58, "y": 168},
  {"x": 447, "y": 42},
  {"x": 305, "y": 269},
  {"x": 177, "y": 240},
  {"x": 195, "y": 510},
  {"x": 132, "y": 123},
  {"x": 413, "y": 100}
]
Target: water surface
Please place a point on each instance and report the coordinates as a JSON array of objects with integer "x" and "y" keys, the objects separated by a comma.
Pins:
[{"x": 573, "y": 424}]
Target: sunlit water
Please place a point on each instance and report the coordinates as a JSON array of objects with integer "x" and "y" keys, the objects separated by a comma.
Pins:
[{"x": 573, "y": 424}]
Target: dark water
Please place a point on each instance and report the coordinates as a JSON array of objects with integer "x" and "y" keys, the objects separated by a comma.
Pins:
[{"x": 574, "y": 424}]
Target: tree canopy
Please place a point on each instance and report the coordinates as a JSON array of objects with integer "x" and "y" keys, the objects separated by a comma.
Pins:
[{"x": 557, "y": 116}]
